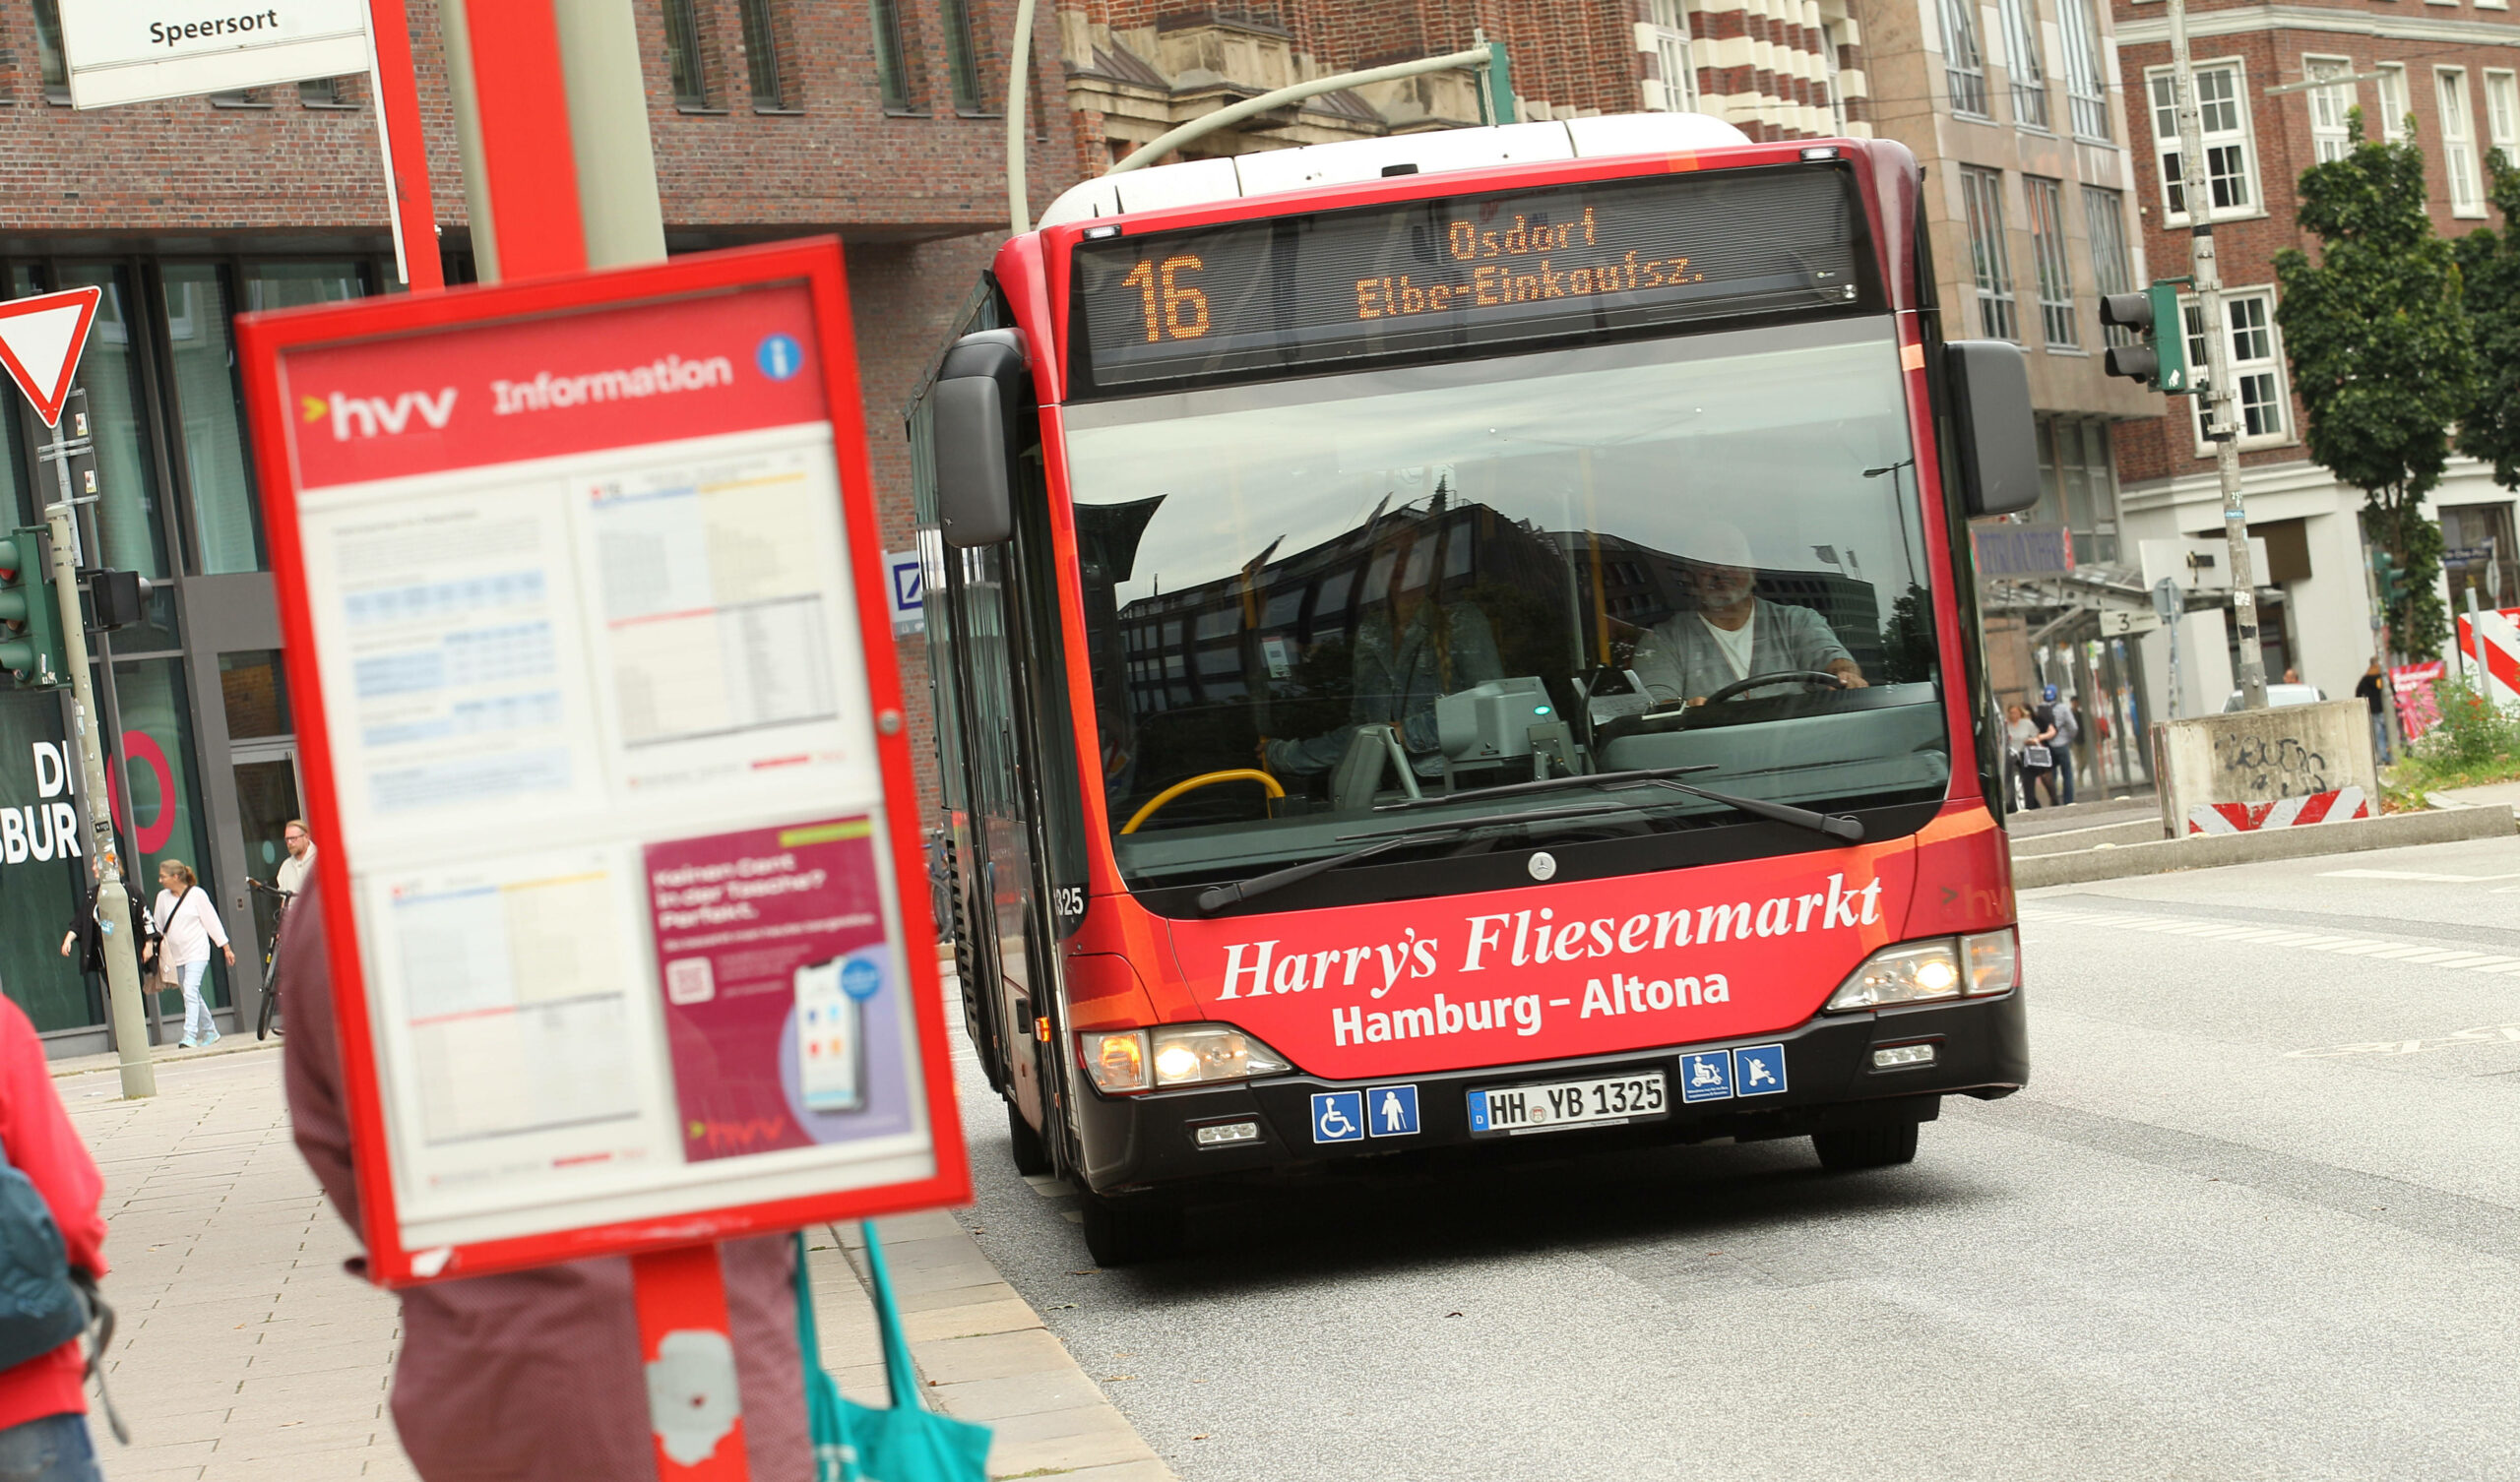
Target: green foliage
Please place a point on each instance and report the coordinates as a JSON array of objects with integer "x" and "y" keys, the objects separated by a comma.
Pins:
[
  {"x": 2472, "y": 733},
  {"x": 2489, "y": 261},
  {"x": 2377, "y": 334},
  {"x": 2471, "y": 744}
]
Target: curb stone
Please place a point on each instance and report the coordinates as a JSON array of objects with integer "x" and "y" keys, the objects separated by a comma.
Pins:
[{"x": 2207, "y": 851}]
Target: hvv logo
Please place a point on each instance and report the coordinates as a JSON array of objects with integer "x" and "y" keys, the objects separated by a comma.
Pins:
[{"x": 372, "y": 415}]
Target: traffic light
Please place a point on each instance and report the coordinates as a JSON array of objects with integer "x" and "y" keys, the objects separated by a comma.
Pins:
[
  {"x": 117, "y": 599},
  {"x": 2392, "y": 580},
  {"x": 2161, "y": 361},
  {"x": 29, "y": 620}
]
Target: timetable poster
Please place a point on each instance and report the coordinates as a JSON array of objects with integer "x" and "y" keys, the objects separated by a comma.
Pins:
[
  {"x": 599, "y": 735},
  {"x": 778, "y": 981}
]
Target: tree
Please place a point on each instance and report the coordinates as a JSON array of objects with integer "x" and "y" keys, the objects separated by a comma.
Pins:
[
  {"x": 2490, "y": 262},
  {"x": 2377, "y": 334}
]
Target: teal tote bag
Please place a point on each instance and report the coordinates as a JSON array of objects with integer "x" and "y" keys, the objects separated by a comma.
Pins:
[{"x": 854, "y": 1443}]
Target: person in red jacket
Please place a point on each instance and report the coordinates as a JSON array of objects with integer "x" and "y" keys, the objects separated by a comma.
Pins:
[{"x": 43, "y": 1402}]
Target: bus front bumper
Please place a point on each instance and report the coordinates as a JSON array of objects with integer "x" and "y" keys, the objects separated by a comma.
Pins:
[{"x": 1834, "y": 1078}]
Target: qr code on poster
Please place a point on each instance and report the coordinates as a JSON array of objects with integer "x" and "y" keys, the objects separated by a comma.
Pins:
[{"x": 690, "y": 981}]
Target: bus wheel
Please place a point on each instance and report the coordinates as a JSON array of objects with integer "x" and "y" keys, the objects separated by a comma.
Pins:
[
  {"x": 1125, "y": 1231},
  {"x": 1031, "y": 1158},
  {"x": 1879, "y": 1146}
]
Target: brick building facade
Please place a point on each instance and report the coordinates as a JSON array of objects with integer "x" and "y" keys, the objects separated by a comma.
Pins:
[
  {"x": 2448, "y": 68},
  {"x": 772, "y": 118},
  {"x": 1778, "y": 69}
]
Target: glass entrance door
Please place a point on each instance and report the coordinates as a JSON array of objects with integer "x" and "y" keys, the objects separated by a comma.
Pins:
[{"x": 266, "y": 800}]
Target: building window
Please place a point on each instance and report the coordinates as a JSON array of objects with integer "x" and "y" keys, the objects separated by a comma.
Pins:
[
  {"x": 1829, "y": 68},
  {"x": 2502, "y": 112},
  {"x": 891, "y": 68},
  {"x": 2080, "y": 484},
  {"x": 1982, "y": 193},
  {"x": 962, "y": 56},
  {"x": 2328, "y": 107},
  {"x": 2086, "y": 69},
  {"x": 1964, "y": 64},
  {"x": 2223, "y": 120},
  {"x": 51, "y": 61},
  {"x": 2047, "y": 202},
  {"x": 2257, "y": 370},
  {"x": 684, "y": 62},
  {"x": 1675, "y": 92},
  {"x": 2459, "y": 140},
  {"x": 2481, "y": 553},
  {"x": 2393, "y": 104},
  {"x": 2112, "y": 268},
  {"x": 2020, "y": 61},
  {"x": 761, "y": 55}
]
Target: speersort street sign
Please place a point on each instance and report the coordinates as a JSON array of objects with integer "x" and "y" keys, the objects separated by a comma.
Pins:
[{"x": 129, "y": 52}]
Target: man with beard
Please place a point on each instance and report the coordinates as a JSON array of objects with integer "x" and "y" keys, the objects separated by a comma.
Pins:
[{"x": 1733, "y": 634}]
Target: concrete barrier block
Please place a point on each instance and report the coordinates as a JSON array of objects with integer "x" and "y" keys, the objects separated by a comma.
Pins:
[{"x": 2261, "y": 757}]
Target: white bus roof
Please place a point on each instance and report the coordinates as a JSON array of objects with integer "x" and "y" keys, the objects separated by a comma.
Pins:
[{"x": 1267, "y": 172}]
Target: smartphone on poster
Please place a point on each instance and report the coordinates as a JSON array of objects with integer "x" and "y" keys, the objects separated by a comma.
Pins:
[{"x": 830, "y": 1042}]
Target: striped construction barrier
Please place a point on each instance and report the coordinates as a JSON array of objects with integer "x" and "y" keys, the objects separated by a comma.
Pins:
[
  {"x": 2491, "y": 644},
  {"x": 2283, "y": 813}
]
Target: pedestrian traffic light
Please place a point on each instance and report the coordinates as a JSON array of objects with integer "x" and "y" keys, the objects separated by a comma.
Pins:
[
  {"x": 2159, "y": 361},
  {"x": 30, "y": 622}
]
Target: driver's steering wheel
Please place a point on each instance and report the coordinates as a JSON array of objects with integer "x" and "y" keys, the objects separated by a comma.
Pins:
[{"x": 1672, "y": 714}]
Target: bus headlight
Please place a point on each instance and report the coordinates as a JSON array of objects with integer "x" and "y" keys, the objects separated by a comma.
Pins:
[
  {"x": 1126, "y": 1061},
  {"x": 1916, "y": 972}
]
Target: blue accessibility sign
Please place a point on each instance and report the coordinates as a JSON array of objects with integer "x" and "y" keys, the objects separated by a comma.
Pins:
[
  {"x": 1391, "y": 1111},
  {"x": 1705, "y": 1077},
  {"x": 1758, "y": 1070},
  {"x": 1337, "y": 1116}
]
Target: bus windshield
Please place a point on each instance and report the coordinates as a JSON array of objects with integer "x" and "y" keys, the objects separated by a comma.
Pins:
[{"x": 1407, "y": 583}]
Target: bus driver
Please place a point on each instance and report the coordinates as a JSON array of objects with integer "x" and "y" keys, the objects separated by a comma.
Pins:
[{"x": 1733, "y": 634}]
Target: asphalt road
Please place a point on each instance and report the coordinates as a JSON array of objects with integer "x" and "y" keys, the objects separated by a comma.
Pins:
[{"x": 2258, "y": 1215}]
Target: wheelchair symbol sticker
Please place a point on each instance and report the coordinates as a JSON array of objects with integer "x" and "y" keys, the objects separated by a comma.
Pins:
[{"x": 1339, "y": 1116}]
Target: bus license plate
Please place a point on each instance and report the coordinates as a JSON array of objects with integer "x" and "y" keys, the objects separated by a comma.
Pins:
[{"x": 1605, "y": 1101}]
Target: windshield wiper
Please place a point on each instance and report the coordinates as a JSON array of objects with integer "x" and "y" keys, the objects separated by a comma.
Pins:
[
  {"x": 1834, "y": 826},
  {"x": 1217, "y": 898}
]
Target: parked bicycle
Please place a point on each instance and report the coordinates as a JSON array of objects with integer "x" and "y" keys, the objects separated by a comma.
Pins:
[{"x": 271, "y": 955}]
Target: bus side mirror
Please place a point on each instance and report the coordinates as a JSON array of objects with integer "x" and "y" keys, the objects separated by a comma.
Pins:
[
  {"x": 1990, "y": 382},
  {"x": 973, "y": 427}
]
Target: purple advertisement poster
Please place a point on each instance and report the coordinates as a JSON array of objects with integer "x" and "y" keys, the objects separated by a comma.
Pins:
[{"x": 784, "y": 999}]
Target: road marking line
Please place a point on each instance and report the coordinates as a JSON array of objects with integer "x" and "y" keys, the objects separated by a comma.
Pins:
[
  {"x": 2411, "y": 875},
  {"x": 2459, "y": 959}
]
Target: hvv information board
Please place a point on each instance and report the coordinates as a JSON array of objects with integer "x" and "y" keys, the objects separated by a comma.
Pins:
[{"x": 589, "y": 629}]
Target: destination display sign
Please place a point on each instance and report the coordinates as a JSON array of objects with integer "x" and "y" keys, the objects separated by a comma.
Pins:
[{"x": 1306, "y": 291}]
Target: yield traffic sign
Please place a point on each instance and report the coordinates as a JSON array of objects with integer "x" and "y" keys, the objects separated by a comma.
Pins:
[{"x": 41, "y": 339}]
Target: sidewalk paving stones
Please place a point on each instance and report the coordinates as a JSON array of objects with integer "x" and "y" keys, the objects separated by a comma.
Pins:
[{"x": 246, "y": 1353}]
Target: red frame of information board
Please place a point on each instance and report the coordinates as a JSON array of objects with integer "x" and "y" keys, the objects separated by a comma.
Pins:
[{"x": 815, "y": 264}]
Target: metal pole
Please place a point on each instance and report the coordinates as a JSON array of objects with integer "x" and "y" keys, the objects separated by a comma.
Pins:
[
  {"x": 114, "y": 907},
  {"x": 1019, "y": 204},
  {"x": 2223, "y": 395},
  {"x": 110, "y": 714},
  {"x": 600, "y": 66}
]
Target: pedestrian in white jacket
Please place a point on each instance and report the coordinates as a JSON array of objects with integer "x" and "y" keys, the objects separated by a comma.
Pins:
[{"x": 188, "y": 926}]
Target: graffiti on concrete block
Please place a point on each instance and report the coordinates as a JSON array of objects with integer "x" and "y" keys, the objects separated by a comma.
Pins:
[{"x": 2270, "y": 767}]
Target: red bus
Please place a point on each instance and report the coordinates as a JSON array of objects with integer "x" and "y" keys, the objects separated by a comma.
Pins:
[{"x": 1466, "y": 640}]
